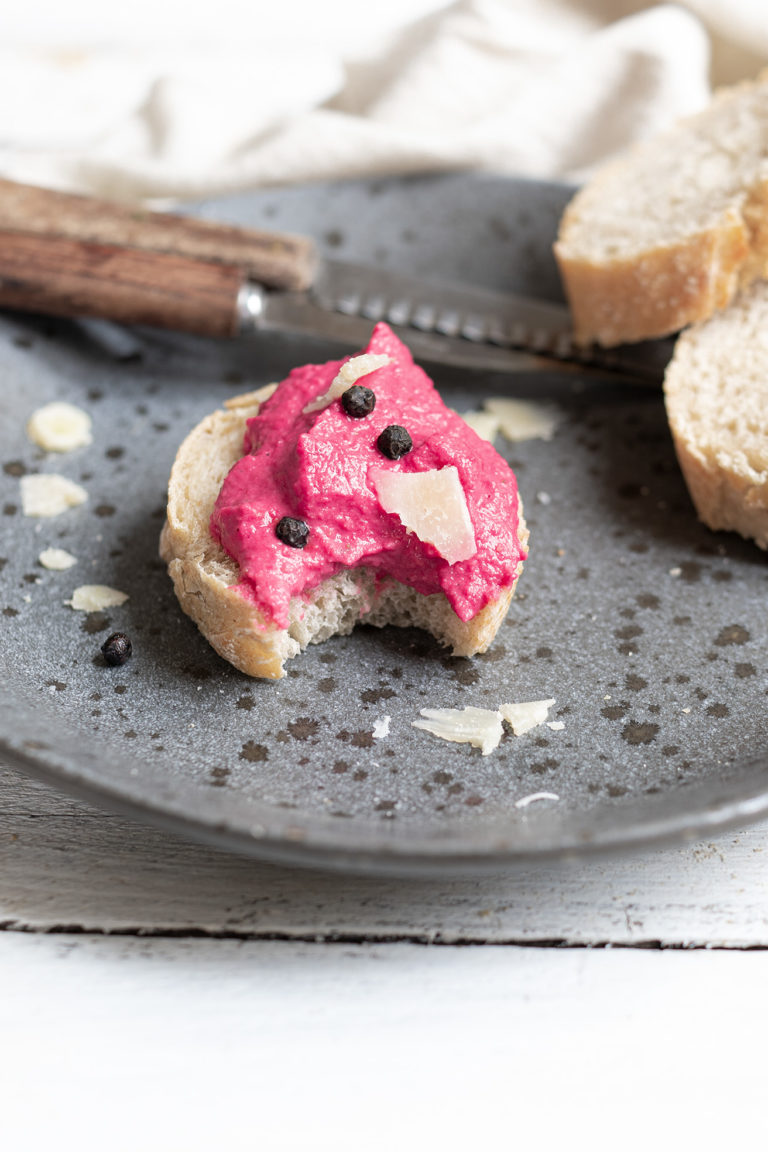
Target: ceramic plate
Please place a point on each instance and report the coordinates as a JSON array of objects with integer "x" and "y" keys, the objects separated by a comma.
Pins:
[{"x": 649, "y": 632}]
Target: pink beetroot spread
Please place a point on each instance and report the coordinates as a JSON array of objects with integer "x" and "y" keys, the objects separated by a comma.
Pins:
[{"x": 315, "y": 467}]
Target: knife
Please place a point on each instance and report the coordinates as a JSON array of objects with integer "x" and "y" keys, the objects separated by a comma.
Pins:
[{"x": 71, "y": 255}]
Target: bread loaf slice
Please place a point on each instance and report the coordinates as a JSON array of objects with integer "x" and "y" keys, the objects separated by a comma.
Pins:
[
  {"x": 716, "y": 391},
  {"x": 666, "y": 234},
  {"x": 205, "y": 578}
]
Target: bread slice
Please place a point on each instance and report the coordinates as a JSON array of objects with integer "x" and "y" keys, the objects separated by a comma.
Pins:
[
  {"x": 666, "y": 234},
  {"x": 716, "y": 391},
  {"x": 205, "y": 578}
]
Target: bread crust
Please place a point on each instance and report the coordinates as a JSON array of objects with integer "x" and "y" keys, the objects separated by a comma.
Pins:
[
  {"x": 724, "y": 498},
  {"x": 205, "y": 578},
  {"x": 661, "y": 290},
  {"x": 642, "y": 292},
  {"x": 715, "y": 391}
]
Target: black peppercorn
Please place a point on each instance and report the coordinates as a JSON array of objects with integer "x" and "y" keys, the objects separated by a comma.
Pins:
[
  {"x": 358, "y": 401},
  {"x": 293, "y": 532},
  {"x": 117, "y": 648},
  {"x": 394, "y": 442}
]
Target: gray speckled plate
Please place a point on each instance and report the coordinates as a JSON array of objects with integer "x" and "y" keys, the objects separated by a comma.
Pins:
[{"x": 650, "y": 632}]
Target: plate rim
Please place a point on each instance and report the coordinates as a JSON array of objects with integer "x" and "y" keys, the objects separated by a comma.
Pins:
[
  {"x": 720, "y": 803},
  {"x": 745, "y": 800}
]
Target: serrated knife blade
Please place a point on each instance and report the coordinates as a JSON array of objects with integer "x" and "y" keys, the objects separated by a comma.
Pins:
[
  {"x": 71, "y": 255},
  {"x": 465, "y": 326}
]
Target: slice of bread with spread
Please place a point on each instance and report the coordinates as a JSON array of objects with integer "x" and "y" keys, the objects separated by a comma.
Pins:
[
  {"x": 666, "y": 234},
  {"x": 237, "y": 572},
  {"x": 716, "y": 391}
]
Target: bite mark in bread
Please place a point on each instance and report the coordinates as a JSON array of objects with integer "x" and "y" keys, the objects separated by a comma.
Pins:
[{"x": 208, "y": 582}]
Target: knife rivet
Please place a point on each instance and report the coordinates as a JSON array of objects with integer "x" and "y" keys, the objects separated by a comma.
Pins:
[{"x": 358, "y": 401}]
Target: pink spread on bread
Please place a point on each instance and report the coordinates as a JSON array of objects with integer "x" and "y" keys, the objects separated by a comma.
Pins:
[{"x": 313, "y": 464}]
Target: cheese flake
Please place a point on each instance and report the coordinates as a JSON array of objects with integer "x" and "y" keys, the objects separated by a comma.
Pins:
[
  {"x": 524, "y": 419},
  {"x": 350, "y": 372},
  {"x": 525, "y": 715},
  {"x": 430, "y": 504},
  {"x": 50, "y": 495},
  {"x": 534, "y": 798},
  {"x": 59, "y": 427},
  {"x": 95, "y": 597},
  {"x": 485, "y": 424},
  {"x": 480, "y": 727},
  {"x": 381, "y": 727},
  {"x": 56, "y": 559}
]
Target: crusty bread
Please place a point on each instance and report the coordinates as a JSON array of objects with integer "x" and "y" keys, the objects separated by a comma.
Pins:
[
  {"x": 666, "y": 234},
  {"x": 205, "y": 577},
  {"x": 716, "y": 391}
]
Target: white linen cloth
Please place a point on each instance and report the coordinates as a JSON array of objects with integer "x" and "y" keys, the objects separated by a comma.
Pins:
[{"x": 546, "y": 88}]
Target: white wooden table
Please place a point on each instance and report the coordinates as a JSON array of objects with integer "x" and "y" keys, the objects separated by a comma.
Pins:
[{"x": 157, "y": 994}]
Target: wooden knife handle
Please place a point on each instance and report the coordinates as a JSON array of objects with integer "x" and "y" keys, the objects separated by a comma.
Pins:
[{"x": 74, "y": 256}]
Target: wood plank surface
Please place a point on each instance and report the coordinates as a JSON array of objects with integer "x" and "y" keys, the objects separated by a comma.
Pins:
[
  {"x": 179, "y": 1044},
  {"x": 65, "y": 865}
]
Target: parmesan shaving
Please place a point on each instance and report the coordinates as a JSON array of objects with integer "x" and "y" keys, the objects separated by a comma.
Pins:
[
  {"x": 59, "y": 427},
  {"x": 432, "y": 505},
  {"x": 381, "y": 727},
  {"x": 95, "y": 597},
  {"x": 349, "y": 373},
  {"x": 525, "y": 715},
  {"x": 486, "y": 424},
  {"x": 479, "y": 727},
  {"x": 56, "y": 559},
  {"x": 524, "y": 419},
  {"x": 50, "y": 495},
  {"x": 483, "y": 727},
  {"x": 534, "y": 797}
]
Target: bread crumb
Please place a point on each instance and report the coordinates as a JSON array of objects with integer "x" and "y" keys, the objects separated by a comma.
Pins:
[
  {"x": 250, "y": 399},
  {"x": 50, "y": 494},
  {"x": 525, "y": 715},
  {"x": 534, "y": 797},
  {"x": 95, "y": 597},
  {"x": 59, "y": 427},
  {"x": 381, "y": 727},
  {"x": 56, "y": 559},
  {"x": 524, "y": 419}
]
